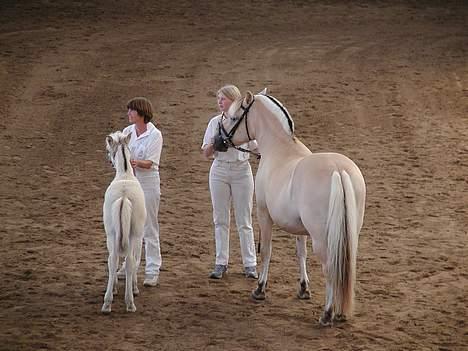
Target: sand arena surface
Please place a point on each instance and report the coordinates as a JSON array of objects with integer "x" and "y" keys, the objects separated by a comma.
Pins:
[{"x": 384, "y": 82}]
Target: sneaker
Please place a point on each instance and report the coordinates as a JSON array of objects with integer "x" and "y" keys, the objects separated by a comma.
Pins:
[
  {"x": 218, "y": 271},
  {"x": 251, "y": 272},
  {"x": 151, "y": 280},
  {"x": 121, "y": 272}
]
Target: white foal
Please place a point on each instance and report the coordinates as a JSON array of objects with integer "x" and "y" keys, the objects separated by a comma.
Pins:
[{"x": 124, "y": 219}]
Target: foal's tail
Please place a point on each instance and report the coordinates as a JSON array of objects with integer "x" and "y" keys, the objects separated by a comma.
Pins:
[
  {"x": 342, "y": 242},
  {"x": 121, "y": 215}
]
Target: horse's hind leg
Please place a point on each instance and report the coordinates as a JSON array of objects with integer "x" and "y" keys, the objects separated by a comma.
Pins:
[
  {"x": 115, "y": 290},
  {"x": 301, "y": 252},
  {"x": 130, "y": 271},
  {"x": 137, "y": 256},
  {"x": 265, "y": 224},
  {"x": 327, "y": 316},
  {"x": 112, "y": 262}
]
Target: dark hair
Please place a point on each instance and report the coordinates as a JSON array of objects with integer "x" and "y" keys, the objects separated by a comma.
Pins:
[{"x": 142, "y": 106}]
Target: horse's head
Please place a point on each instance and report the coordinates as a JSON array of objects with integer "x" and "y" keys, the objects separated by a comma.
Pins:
[
  {"x": 113, "y": 141},
  {"x": 236, "y": 128},
  {"x": 254, "y": 115}
]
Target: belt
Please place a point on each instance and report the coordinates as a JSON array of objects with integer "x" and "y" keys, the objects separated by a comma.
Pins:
[{"x": 226, "y": 161}]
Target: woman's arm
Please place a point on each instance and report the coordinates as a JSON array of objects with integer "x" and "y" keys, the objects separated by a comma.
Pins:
[
  {"x": 208, "y": 150},
  {"x": 152, "y": 153}
]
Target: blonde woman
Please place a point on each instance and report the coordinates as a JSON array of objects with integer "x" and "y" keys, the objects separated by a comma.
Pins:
[
  {"x": 145, "y": 147},
  {"x": 230, "y": 181}
]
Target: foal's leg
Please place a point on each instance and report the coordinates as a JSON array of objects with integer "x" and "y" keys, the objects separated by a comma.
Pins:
[
  {"x": 130, "y": 268},
  {"x": 301, "y": 252},
  {"x": 115, "y": 290},
  {"x": 137, "y": 256},
  {"x": 265, "y": 223},
  {"x": 112, "y": 262}
]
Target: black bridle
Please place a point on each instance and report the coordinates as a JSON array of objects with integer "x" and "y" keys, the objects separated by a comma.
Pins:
[{"x": 227, "y": 136}]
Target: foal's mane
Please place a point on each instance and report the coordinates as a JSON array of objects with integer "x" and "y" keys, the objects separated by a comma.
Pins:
[{"x": 118, "y": 139}]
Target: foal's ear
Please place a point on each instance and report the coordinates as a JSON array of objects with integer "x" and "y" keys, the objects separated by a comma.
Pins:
[
  {"x": 109, "y": 141},
  {"x": 263, "y": 92},
  {"x": 248, "y": 98}
]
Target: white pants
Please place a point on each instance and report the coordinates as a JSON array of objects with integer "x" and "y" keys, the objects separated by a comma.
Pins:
[
  {"x": 151, "y": 189},
  {"x": 232, "y": 180}
]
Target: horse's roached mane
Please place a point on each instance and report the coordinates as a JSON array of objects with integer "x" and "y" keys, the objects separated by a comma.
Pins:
[{"x": 287, "y": 124}]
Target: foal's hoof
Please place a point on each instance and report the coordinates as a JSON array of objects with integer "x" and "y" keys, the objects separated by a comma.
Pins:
[
  {"x": 131, "y": 307},
  {"x": 325, "y": 322},
  {"x": 106, "y": 308},
  {"x": 136, "y": 291},
  {"x": 258, "y": 295},
  {"x": 303, "y": 295}
]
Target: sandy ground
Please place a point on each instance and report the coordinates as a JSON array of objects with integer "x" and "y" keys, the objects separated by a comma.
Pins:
[{"x": 384, "y": 82}]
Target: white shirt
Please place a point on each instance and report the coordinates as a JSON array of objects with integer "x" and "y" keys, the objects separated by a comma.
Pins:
[
  {"x": 232, "y": 154},
  {"x": 147, "y": 146}
]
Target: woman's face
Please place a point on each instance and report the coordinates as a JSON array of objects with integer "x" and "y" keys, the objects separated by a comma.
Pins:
[
  {"x": 223, "y": 103},
  {"x": 133, "y": 116}
]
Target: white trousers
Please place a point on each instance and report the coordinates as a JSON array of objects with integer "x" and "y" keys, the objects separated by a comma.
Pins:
[
  {"x": 151, "y": 189},
  {"x": 232, "y": 181}
]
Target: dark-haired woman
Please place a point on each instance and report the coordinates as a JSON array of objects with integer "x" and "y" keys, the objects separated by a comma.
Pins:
[{"x": 145, "y": 148}]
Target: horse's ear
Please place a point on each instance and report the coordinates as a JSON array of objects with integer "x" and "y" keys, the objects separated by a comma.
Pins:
[
  {"x": 248, "y": 98},
  {"x": 127, "y": 138},
  {"x": 263, "y": 92}
]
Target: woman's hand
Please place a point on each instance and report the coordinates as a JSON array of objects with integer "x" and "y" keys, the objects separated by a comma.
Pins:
[{"x": 141, "y": 164}]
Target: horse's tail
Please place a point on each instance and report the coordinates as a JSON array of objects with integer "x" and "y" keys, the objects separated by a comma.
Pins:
[
  {"x": 342, "y": 242},
  {"x": 122, "y": 215}
]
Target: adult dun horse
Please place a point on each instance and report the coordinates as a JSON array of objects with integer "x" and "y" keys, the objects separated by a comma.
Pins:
[
  {"x": 124, "y": 219},
  {"x": 317, "y": 194}
]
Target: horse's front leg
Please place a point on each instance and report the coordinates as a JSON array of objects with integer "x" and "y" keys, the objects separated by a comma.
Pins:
[
  {"x": 301, "y": 252},
  {"x": 265, "y": 223},
  {"x": 112, "y": 262}
]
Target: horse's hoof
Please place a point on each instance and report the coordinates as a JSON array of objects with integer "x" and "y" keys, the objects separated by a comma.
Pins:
[
  {"x": 136, "y": 291},
  {"x": 326, "y": 319},
  {"x": 258, "y": 295},
  {"x": 106, "y": 308},
  {"x": 340, "y": 318},
  {"x": 131, "y": 308}
]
